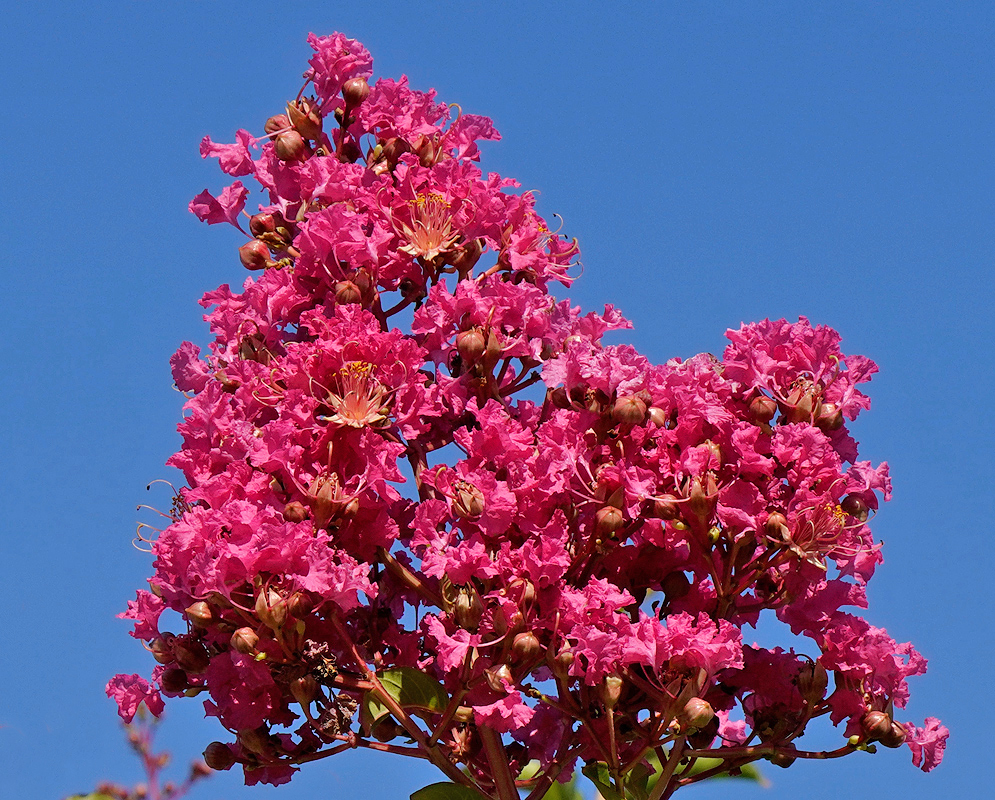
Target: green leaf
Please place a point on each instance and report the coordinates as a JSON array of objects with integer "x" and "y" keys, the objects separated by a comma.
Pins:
[
  {"x": 597, "y": 771},
  {"x": 564, "y": 791},
  {"x": 447, "y": 791},
  {"x": 410, "y": 688},
  {"x": 747, "y": 771}
]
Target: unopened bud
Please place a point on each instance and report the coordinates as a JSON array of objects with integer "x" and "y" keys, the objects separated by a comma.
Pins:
[
  {"x": 855, "y": 507},
  {"x": 630, "y": 410},
  {"x": 700, "y": 502},
  {"x": 697, "y": 713},
  {"x": 300, "y": 605},
  {"x": 162, "y": 651},
  {"x": 426, "y": 149},
  {"x": 676, "y": 585},
  {"x": 876, "y": 724},
  {"x": 762, "y": 410},
  {"x": 525, "y": 648},
  {"x": 295, "y": 511},
  {"x": 464, "y": 258},
  {"x": 279, "y": 122},
  {"x": 271, "y": 608},
  {"x": 471, "y": 345},
  {"x": 174, "y": 681},
  {"x": 830, "y": 417},
  {"x": 218, "y": 755},
  {"x": 290, "y": 146},
  {"x": 393, "y": 149},
  {"x": 774, "y": 524},
  {"x": 895, "y": 737},
  {"x": 355, "y": 91},
  {"x": 497, "y": 676},
  {"x": 467, "y": 610},
  {"x": 559, "y": 398},
  {"x": 304, "y": 689},
  {"x": 199, "y": 614},
  {"x": 611, "y": 691},
  {"x": 608, "y": 520},
  {"x": 305, "y": 118},
  {"x": 657, "y": 416},
  {"x": 244, "y": 641},
  {"x": 263, "y": 223},
  {"x": 191, "y": 655},
  {"x": 255, "y": 740},
  {"x": 254, "y": 255},
  {"x": 467, "y": 501},
  {"x": 813, "y": 680},
  {"x": 564, "y": 660},
  {"x": 782, "y": 760},
  {"x": 666, "y": 507},
  {"x": 347, "y": 293}
]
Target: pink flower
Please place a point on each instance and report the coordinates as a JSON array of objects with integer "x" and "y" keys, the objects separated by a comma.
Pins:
[
  {"x": 927, "y": 743},
  {"x": 224, "y": 208},
  {"x": 129, "y": 691}
]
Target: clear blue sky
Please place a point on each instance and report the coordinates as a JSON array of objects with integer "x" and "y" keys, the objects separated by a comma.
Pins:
[{"x": 719, "y": 162}]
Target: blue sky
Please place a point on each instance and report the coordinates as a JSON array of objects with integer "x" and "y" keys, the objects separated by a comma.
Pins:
[{"x": 719, "y": 163}]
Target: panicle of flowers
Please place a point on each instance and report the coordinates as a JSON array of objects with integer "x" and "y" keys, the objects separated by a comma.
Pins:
[{"x": 387, "y": 541}]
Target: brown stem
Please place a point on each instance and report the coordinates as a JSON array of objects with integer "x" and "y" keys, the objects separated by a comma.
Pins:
[
  {"x": 497, "y": 757},
  {"x": 407, "y": 577},
  {"x": 662, "y": 789}
]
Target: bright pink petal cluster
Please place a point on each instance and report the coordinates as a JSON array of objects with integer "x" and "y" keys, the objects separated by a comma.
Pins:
[{"x": 563, "y": 538}]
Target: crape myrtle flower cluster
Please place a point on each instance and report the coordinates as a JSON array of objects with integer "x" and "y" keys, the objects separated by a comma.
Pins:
[{"x": 384, "y": 543}]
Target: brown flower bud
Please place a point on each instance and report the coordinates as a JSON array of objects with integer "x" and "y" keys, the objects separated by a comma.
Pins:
[
  {"x": 525, "y": 648},
  {"x": 347, "y": 293},
  {"x": 244, "y": 641},
  {"x": 608, "y": 520},
  {"x": 355, "y": 91},
  {"x": 471, "y": 345},
  {"x": 300, "y": 605},
  {"x": 467, "y": 500},
  {"x": 279, "y": 122},
  {"x": 611, "y": 691},
  {"x": 260, "y": 224},
  {"x": 559, "y": 398},
  {"x": 775, "y": 522},
  {"x": 200, "y": 614},
  {"x": 630, "y": 410},
  {"x": 855, "y": 507},
  {"x": 657, "y": 416},
  {"x": 271, "y": 608},
  {"x": 467, "y": 610},
  {"x": 782, "y": 760},
  {"x": 676, "y": 585},
  {"x": 254, "y": 255},
  {"x": 812, "y": 681},
  {"x": 393, "y": 149},
  {"x": 564, "y": 659},
  {"x": 174, "y": 681},
  {"x": 290, "y": 146},
  {"x": 497, "y": 676},
  {"x": 464, "y": 258},
  {"x": 895, "y": 737},
  {"x": 304, "y": 689},
  {"x": 701, "y": 502},
  {"x": 876, "y": 724},
  {"x": 830, "y": 417},
  {"x": 162, "y": 651},
  {"x": 295, "y": 511},
  {"x": 218, "y": 755},
  {"x": 697, "y": 713},
  {"x": 255, "y": 740},
  {"x": 191, "y": 655},
  {"x": 666, "y": 507},
  {"x": 426, "y": 149},
  {"x": 762, "y": 410}
]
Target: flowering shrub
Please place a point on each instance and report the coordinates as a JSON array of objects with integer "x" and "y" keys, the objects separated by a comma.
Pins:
[{"x": 565, "y": 577}]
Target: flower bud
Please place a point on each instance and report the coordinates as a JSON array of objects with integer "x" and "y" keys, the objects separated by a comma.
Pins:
[
  {"x": 525, "y": 648},
  {"x": 271, "y": 608},
  {"x": 290, "y": 146},
  {"x": 524, "y": 590},
  {"x": 260, "y": 224},
  {"x": 304, "y": 689},
  {"x": 782, "y": 760},
  {"x": 467, "y": 610},
  {"x": 174, "y": 681},
  {"x": 700, "y": 502},
  {"x": 830, "y": 417},
  {"x": 676, "y": 585},
  {"x": 471, "y": 345},
  {"x": 608, "y": 520},
  {"x": 199, "y": 614},
  {"x": 559, "y": 398},
  {"x": 254, "y": 255},
  {"x": 812, "y": 681},
  {"x": 393, "y": 149},
  {"x": 300, "y": 605},
  {"x": 876, "y": 724},
  {"x": 697, "y": 713},
  {"x": 279, "y": 122},
  {"x": 467, "y": 501},
  {"x": 464, "y": 258},
  {"x": 497, "y": 676},
  {"x": 895, "y": 737},
  {"x": 191, "y": 655},
  {"x": 611, "y": 691},
  {"x": 666, "y": 507},
  {"x": 564, "y": 660},
  {"x": 657, "y": 416},
  {"x": 762, "y": 410},
  {"x": 347, "y": 293},
  {"x": 295, "y": 511},
  {"x": 255, "y": 740},
  {"x": 855, "y": 507},
  {"x": 630, "y": 410},
  {"x": 218, "y": 755},
  {"x": 355, "y": 91},
  {"x": 774, "y": 524},
  {"x": 162, "y": 651},
  {"x": 426, "y": 150},
  {"x": 244, "y": 641}
]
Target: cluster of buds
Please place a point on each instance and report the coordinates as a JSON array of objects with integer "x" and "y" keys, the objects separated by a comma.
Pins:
[{"x": 567, "y": 578}]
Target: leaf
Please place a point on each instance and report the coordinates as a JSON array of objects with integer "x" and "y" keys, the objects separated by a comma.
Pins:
[
  {"x": 747, "y": 771},
  {"x": 410, "y": 687},
  {"x": 447, "y": 791},
  {"x": 91, "y": 796},
  {"x": 597, "y": 771}
]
